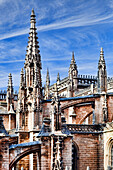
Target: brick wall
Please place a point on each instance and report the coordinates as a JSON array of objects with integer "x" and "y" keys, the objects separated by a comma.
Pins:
[
  {"x": 4, "y": 153},
  {"x": 90, "y": 151}
]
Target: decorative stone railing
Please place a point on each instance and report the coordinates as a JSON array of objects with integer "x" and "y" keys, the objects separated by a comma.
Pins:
[
  {"x": 77, "y": 128},
  {"x": 87, "y": 77}
]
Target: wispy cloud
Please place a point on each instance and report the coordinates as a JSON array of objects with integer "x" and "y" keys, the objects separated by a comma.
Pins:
[
  {"x": 64, "y": 26},
  {"x": 11, "y": 61}
]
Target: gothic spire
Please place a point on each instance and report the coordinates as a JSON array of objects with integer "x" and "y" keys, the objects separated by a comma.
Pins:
[
  {"x": 102, "y": 73},
  {"x": 33, "y": 47},
  {"x": 73, "y": 58},
  {"x": 47, "y": 78},
  {"x": 73, "y": 63}
]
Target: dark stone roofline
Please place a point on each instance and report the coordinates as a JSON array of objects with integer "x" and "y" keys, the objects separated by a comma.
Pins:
[
  {"x": 24, "y": 144},
  {"x": 74, "y": 98}
]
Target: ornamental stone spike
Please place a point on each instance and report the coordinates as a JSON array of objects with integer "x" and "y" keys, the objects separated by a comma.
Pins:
[
  {"x": 10, "y": 80},
  {"x": 47, "y": 78},
  {"x": 102, "y": 73},
  {"x": 58, "y": 77},
  {"x": 101, "y": 54},
  {"x": 33, "y": 47},
  {"x": 73, "y": 58},
  {"x": 10, "y": 96}
]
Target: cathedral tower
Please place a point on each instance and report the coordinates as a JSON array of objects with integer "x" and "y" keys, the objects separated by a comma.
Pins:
[{"x": 30, "y": 91}]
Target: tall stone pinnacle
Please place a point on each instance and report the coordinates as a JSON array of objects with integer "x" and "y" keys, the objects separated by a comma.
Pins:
[
  {"x": 10, "y": 83},
  {"x": 58, "y": 77},
  {"x": 101, "y": 54},
  {"x": 73, "y": 63},
  {"x": 102, "y": 73},
  {"x": 33, "y": 47},
  {"x": 73, "y": 58},
  {"x": 101, "y": 59},
  {"x": 47, "y": 78}
]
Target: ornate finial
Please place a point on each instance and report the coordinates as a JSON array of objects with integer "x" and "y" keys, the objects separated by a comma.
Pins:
[
  {"x": 73, "y": 57},
  {"x": 22, "y": 71},
  {"x": 32, "y": 13},
  {"x": 33, "y": 20},
  {"x": 101, "y": 49},
  {"x": 73, "y": 65},
  {"x": 102, "y": 73},
  {"x": 58, "y": 77},
  {"x": 47, "y": 78},
  {"x": 10, "y": 84},
  {"x": 101, "y": 54}
]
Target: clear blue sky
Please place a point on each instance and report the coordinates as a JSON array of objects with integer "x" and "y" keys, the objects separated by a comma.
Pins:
[{"x": 82, "y": 26}]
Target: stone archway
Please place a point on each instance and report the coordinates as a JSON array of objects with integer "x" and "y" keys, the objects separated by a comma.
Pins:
[{"x": 16, "y": 154}]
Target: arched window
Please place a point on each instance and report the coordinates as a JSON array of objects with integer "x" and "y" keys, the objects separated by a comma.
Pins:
[{"x": 75, "y": 157}]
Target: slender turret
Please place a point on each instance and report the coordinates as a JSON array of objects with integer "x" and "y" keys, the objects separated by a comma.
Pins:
[
  {"x": 10, "y": 96},
  {"x": 73, "y": 72},
  {"x": 58, "y": 78},
  {"x": 73, "y": 67},
  {"x": 46, "y": 90},
  {"x": 47, "y": 79},
  {"x": 102, "y": 73}
]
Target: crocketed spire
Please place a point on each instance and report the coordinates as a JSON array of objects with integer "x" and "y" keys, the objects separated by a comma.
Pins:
[
  {"x": 33, "y": 47},
  {"x": 102, "y": 73},
  {"x": 73, "y": 63}
]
